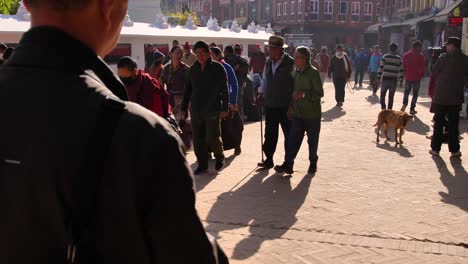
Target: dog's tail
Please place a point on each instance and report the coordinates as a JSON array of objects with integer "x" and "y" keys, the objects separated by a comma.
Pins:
[{"x": 376, "y": 123}]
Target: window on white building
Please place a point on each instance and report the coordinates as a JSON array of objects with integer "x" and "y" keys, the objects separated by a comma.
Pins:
[
  {"x": 328, "y": 11},
  {"x": 292, "y": 7},
  {"x": 278, "y": 11},
  {"x": 285, "y": 8},
  {"x": 299, "y": 6}
]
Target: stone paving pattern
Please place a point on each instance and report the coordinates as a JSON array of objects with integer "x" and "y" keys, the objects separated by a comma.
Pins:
[{"x": 368, "y": 202}]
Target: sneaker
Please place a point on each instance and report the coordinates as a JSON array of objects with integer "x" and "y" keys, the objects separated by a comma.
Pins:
[
  {"x": 312, "y": 169},
  {"x": 456, "y": 154},
  {"x": 413, "y": 112},
  {"x": 284, "y": 169},
  {"x": 403, "y": 108},
  {"x": 434, "y": 153},
  {"x": 267, "y": 164},
  {"x": 200, "y": 170},
  {"x": 237, "y": 151},
  {"x": 219, "y": 164}
]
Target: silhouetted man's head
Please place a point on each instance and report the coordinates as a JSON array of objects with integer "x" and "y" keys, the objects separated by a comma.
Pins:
[{"x": 96, "y": 23}]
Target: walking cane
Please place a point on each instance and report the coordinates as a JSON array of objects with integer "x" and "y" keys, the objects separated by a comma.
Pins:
[{"x": 261, "y": 130}]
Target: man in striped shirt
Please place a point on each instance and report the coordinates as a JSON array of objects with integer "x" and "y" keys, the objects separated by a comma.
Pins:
[{"x": 390, "y": 74}]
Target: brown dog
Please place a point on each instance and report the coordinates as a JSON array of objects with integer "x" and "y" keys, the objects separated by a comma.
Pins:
[{"x": 392, "y": 118}]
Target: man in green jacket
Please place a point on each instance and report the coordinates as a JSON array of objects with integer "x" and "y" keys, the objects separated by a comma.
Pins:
[{"x": 305, "y": 110}]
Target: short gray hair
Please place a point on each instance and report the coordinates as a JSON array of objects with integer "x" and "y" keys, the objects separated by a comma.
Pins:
[{"x": 303, "y": 51}]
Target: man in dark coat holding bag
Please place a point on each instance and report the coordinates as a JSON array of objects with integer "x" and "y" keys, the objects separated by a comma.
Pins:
[{"x": 86, "y": 177}]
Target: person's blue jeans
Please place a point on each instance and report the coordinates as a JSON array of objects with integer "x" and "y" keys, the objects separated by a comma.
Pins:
[
  {"x": 411, "y": 85},
  {"x": 390, "y": 86},
  {"x": 300, "y": 126}
]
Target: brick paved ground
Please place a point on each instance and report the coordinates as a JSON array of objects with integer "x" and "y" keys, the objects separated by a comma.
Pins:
[{"x": 368, "y": 203}]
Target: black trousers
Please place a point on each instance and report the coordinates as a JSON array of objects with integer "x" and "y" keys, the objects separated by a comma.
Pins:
[
  {"x": 339, "y": 89},
  {"x": 453, "y": 115},
  {"x": 274, "y": 117},
  {"x": 358, "y": 76}
]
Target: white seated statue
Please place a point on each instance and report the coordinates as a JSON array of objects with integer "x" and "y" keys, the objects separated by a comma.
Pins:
[
  {"x": 22, "y": 13},
  {"x": 190, "y": 24},
  {"x": 209, "y": 24},
  {"x": 269, "y": 29},
  {"x": 161, "y": 22},
  {"x": 128, "y": 21},
  {"x": 252, "y": 28},
  {"x": 235, "y": 27},
  {"x": 215, "y": 26}
]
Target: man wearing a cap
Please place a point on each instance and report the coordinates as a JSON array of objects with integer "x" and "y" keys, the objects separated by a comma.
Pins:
[
  {"x": 189, "y": 57},
  {"x": 452, "y": 71},
  {"x": 276, "y": 95}
]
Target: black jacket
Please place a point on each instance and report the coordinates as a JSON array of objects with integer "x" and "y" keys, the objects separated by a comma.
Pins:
[
  {"x": 452, "y": 71},
  {"x": 51, "y": 90},
  {"x": 280, "y": 86},
  {"x": 206, "y": 89}
]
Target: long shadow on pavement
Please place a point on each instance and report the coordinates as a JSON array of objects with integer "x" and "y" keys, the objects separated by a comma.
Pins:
[
  {"x": 457, "y": 183},
  {"x": 373, "y": 99},
  {"x": 416, "y": 125},
  {"x": 271, "y": 204},
  {"x": 403, "y": 151},
  {"x": 332, "y": 114},
  {"x": 201, "y": 181}
]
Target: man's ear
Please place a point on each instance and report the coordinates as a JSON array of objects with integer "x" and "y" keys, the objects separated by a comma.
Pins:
[
  {"x": 135, "y": 71},
  {"x": 105, "y": 10}
]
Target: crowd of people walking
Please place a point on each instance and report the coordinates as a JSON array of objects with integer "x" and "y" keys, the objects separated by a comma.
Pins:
[{"x": 124, "y": 131}]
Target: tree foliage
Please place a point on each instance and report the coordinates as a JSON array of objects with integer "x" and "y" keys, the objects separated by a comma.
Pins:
[
  {"x": 183, "y": 17},
  {"x": 9, "y": 6}
]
